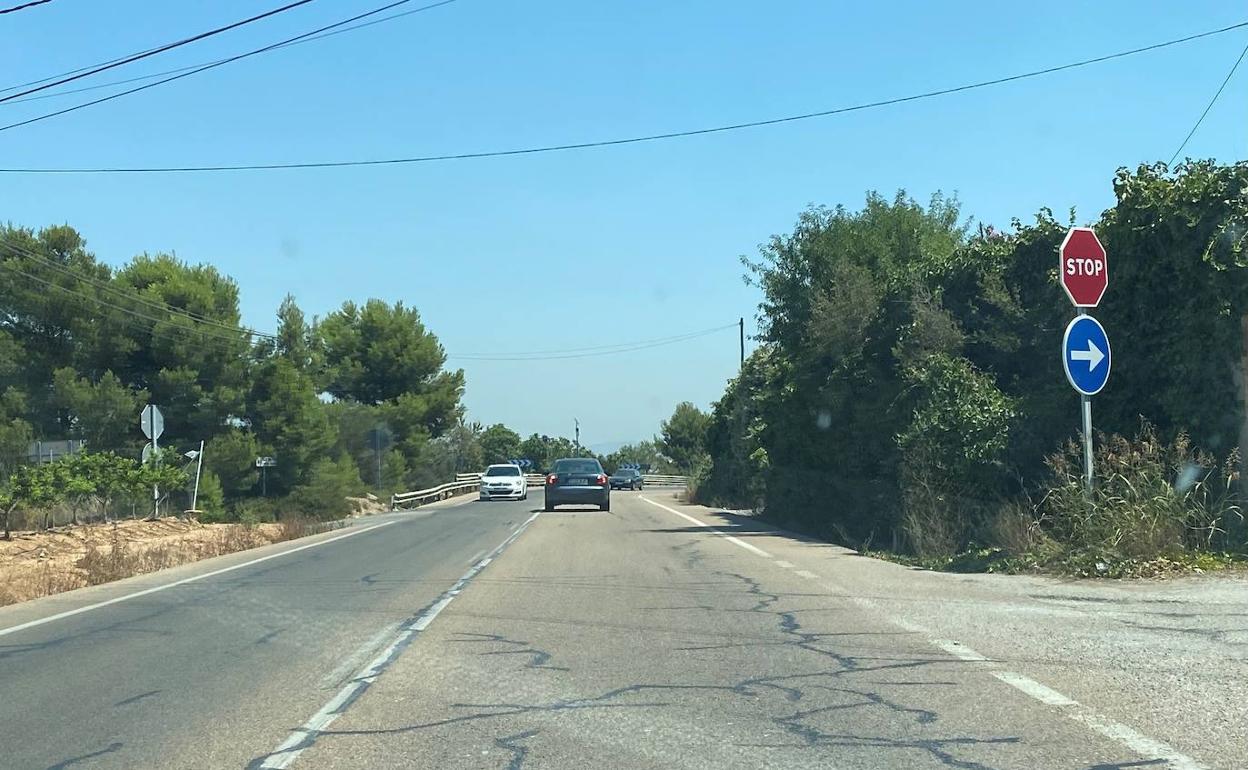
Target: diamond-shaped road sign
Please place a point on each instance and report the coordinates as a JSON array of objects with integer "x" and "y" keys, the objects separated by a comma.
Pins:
[
  {"x": 1082, "y": 267},
  {"x": 152, "y": 422}
]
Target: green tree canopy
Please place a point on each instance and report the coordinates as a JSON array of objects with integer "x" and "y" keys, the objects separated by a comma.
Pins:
[
  {"x": 685, "y": 436},
  {"x": 499, "y": 444},
  {"x": 378, "y": 353}
]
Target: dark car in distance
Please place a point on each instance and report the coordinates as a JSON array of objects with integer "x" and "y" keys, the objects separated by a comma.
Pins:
[
  {"x": 627, "y": 478},
  {"x": 578, "y": 481}
]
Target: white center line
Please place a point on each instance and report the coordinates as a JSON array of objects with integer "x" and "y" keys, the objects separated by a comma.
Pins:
[
  {"x": 301, "y": 739},
  {"x": 184, "y": 581}
]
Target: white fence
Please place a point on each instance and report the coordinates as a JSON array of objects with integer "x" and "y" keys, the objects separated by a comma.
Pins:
[{"x": 470, "y": 482}]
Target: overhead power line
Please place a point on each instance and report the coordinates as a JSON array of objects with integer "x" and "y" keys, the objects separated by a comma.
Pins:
[
  {"x": 164, "y": 307},
  {"x": 627, "y": 347},
  {"x": 153, "y": 75},
  {"x": 204, "y": 336},
  {"x": 154, "y": 51},
  {"x": 1209, "y": 106},
  {"x": 676, "y": 337},
  {"x": 212, "y": 332},
  {"x": 218, "y": 63},
  {"x": 598, "y": 143},
  {"x": 208, "y": 327},
  {"x": 24, "y": 6}
]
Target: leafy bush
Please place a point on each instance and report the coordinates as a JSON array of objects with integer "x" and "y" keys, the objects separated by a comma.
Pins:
[
  {"x": 211, "y": 502},
  {"x": 329, "y": 484},
  {"x": 1150, "y": 498}
]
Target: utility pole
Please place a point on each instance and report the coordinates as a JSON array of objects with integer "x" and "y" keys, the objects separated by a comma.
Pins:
[
  {"x": 741, "y": 330},
  {"x": 577, "y": 442}
]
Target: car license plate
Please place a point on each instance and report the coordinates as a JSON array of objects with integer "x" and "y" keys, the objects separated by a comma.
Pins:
[{"x": 578, "y": 482}]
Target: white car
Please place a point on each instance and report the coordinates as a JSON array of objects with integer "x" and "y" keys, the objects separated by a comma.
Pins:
[{"x": 504, "y": 482}]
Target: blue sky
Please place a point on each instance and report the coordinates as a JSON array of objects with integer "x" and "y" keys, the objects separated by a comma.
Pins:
[{"x": 586, "y": 248}]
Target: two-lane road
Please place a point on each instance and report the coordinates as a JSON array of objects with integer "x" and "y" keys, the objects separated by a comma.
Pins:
[
  {"x": 656, "y": 635},
  {"x": 217, "y": 670}
]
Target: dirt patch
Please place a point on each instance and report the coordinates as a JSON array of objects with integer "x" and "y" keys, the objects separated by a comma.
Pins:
[
  {"x": 367, "y": 505},
  {"x": 35, "y": 564}
]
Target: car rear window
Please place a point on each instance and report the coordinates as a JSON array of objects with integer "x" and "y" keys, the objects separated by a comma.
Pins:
[
  {"x": 503, "y": 470},
  {"x": 577, "y": 466}
]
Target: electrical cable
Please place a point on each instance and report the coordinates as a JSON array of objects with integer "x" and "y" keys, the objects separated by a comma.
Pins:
[
  {"x": 154, "y": 51},
  {"x": 127, "y": 81},
  {"x": 634, "y": 348},
  {"x": 164, "y": 307},
  {"x": 24, "y": 6},
  {"x": 675, "y": 338},
  {"x": 213, "y": 65},
  {"x": 227, "y": 343},
  {"x": 590, "y": 144},
  {"x": 214, "y": 337},
  {"x": 1209, "y": 106}
]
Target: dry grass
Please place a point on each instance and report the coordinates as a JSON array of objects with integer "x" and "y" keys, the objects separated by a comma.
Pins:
[{"x": 40, "y": 564}]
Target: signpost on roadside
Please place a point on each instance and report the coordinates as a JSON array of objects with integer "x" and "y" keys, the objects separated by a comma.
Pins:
[
  {"x": 264, "y": 463},
  {"x": 152, "y": 423},
  {"x": 1083, "y": 269}
]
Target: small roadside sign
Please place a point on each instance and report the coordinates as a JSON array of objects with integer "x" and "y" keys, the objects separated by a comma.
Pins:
[
  {"x": 266, "y": 462},
  {"x": 152, "y": 422},
  {"x": 1085, "y": 355}
]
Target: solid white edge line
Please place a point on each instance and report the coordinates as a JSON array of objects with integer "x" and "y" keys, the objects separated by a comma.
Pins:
[
  {"x": 1122, "y": 734},
  {"x": 1034, "y": 689},
  {"x": 734, "y": 540},
  {"x": 184, "y": 581},
  {"x": 958, "y": 650},
  {"x": 301, "y": 739},
  {"x": 1139, "y": 743}
]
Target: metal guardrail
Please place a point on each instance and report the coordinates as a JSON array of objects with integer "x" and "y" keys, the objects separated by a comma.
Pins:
[
  {"x": 661, "y": 480},
  {"x": 405, "y": 500},
  {"x": 465, "y": 482}
]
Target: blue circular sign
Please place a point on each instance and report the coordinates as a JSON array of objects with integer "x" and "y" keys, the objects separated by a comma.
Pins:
[{"x": 1085, "y": 355}]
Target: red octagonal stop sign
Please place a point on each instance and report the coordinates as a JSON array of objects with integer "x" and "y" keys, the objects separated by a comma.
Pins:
[{"x": 1082, "y": 269}]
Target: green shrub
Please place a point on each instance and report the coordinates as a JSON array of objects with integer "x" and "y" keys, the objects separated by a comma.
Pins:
[
  {"x": 254, "y": 511},
  {"x": 211, "y": 503},
  {"x": 324, "y": 494}
]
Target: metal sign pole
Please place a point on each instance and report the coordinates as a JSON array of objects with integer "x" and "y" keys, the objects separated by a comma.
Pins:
[
  {"x": 199, "y": 469},
  {"x": 1085, "y": 403},
  {"x": 155, "y": 487}
]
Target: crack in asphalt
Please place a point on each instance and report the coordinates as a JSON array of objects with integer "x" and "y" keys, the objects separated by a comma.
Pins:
[
  {"x": 512, "y": 743},
  {"x": 538, "y": 659},
  {"x": 807, "y": 693}
]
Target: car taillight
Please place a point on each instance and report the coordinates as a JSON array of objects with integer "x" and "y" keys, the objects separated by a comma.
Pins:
[
  {"x": 602, "y": 479},
  {"x": 552, "y": 479}
]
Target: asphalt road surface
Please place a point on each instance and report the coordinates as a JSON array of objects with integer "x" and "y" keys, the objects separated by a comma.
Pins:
[{"x": 656, "y": 635}]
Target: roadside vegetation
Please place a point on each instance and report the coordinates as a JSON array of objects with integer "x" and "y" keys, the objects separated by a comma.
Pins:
[
  {"x": 358, "y": 402},
  {"x": 36, "y": 564},
  {"x": 352, "y": 407},
  {"x": 906, "y": 396}
]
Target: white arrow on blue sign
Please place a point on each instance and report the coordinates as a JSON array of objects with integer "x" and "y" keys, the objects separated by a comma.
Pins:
[{"x": 1085, "y": 355}]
